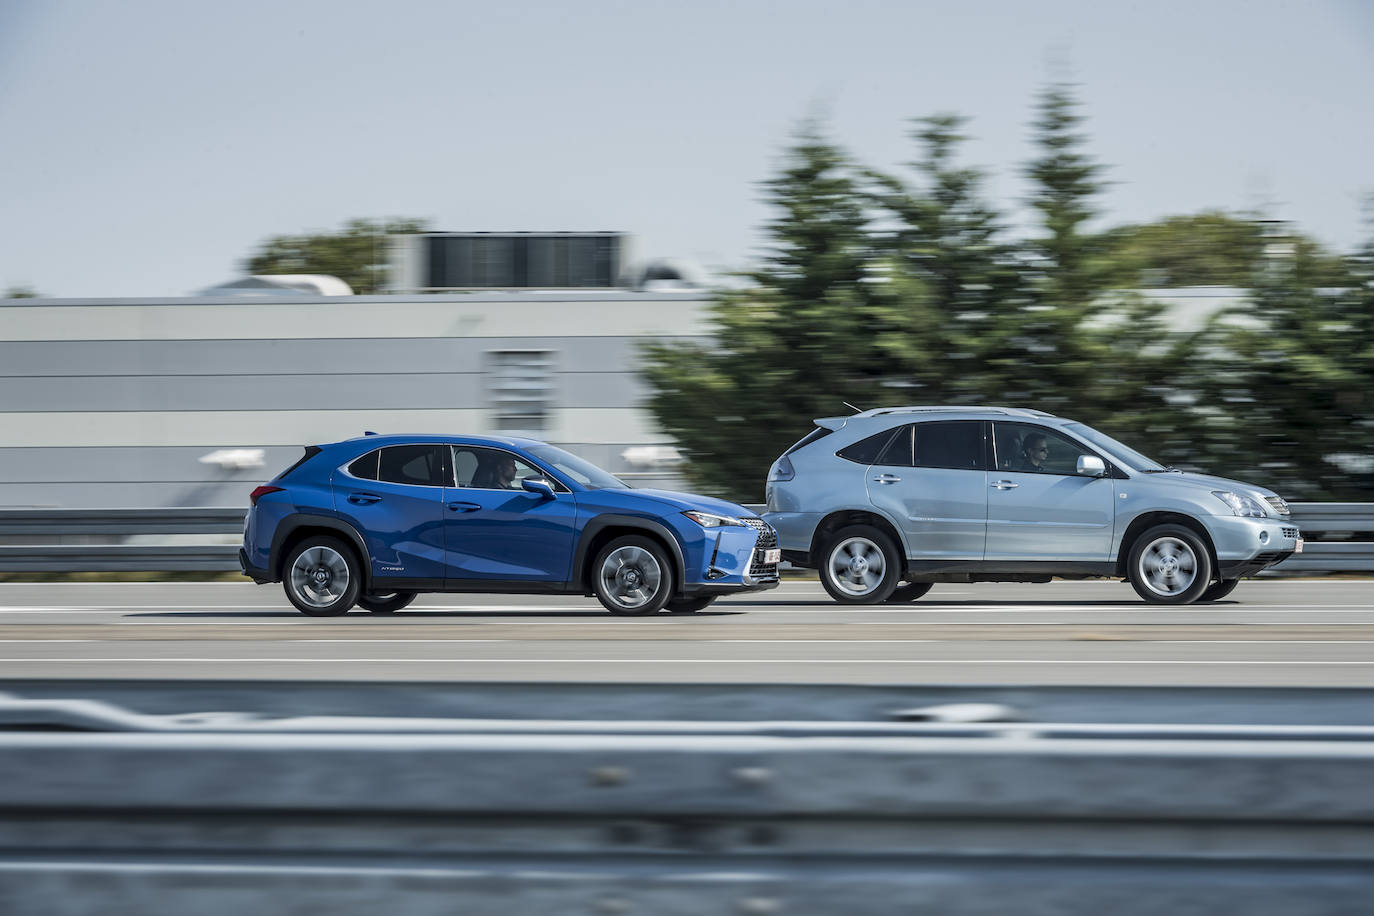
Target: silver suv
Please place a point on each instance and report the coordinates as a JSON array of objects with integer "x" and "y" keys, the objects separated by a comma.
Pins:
[{"x": 886, "y": 502}]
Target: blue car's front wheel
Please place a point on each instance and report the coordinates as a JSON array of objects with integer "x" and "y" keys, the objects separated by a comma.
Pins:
[{"x": 632, "y": 576}]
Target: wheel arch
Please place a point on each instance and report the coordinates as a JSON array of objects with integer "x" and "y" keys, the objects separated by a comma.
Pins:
[
  {"x": 296, "y": 528},
  {"x": 603, "y": 529},
  {"x": 1147, "y": 520},
  {"x": 843, "y": 518}
]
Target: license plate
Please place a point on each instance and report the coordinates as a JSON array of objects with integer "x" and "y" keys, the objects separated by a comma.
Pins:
[
  {"x": 771, "y": 556},
  {"x": 1298, "y": 547}
]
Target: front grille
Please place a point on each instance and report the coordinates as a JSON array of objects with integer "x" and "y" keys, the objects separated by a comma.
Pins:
[
  {"x": 767, "y": 540},
  {"x": 1290, "y": 532},
  {"x": 1278, "y": 504}
]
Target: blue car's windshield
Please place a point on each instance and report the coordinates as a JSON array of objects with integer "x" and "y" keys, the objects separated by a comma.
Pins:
[
  {"x": 1126, "y": 455},
  {"x": 580, "y": 470}
]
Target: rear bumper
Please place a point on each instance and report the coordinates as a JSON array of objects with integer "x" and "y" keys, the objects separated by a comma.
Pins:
[{"x": 260, "y": 576}]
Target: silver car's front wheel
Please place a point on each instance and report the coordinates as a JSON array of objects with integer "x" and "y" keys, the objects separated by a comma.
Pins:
[
  {"x": 861, "y": 566},
  {"x": 1169, "y": 564}
]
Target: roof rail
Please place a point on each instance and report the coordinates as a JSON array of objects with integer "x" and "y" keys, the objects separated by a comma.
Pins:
[{"x": 1007, "y": 411}]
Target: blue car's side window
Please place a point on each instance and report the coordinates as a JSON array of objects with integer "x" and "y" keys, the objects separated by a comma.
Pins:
[
  {"x": 415, "y": 465},
  {"x": 480, "y": 468}
]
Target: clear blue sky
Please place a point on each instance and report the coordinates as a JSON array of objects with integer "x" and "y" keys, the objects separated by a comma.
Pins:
[{"x": 147, "y": 147}]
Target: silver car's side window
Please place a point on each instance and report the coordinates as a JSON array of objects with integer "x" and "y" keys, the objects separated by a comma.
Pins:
[
  {"x": 956, "y": 444},
  {"x": 1030, "y": 449}
]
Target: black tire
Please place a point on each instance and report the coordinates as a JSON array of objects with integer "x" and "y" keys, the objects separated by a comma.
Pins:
[
  {"x": 632, "y": 576},
  {"x": 1218, "y": 590},
  {"x": 385, "y": 602},
  {"x": 860, "y": 582},
  {"x": 1169, "y": 564},
  {"x": 909, "y": 591},
  {"x": 322, "y": 577},
  {"x": 689, "y": 605}
]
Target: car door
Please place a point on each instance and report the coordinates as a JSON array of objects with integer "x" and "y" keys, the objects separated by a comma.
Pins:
[
  {"x": 494, "y": 531},
  {"x": 931, "y": 478},
  {"x": 393, "y": 496},
  {"x": 1046, "y": 511}
]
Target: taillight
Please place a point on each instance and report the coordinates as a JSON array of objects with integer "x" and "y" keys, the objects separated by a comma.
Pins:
[{"x": 261, "y": 492}]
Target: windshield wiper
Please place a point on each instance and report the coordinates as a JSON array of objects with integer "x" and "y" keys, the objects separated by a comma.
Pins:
[{"x": 1168, "y": 470}]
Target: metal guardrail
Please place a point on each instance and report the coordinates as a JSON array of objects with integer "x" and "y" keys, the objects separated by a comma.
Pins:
[
  {"x": 102, "y": 539},
  {"x": 131, "y": 813}
]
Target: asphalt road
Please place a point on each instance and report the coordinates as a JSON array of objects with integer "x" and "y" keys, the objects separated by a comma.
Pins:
[{"x": 1267, "y": 633}]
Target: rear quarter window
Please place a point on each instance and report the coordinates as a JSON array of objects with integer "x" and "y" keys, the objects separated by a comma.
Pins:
[
  {"x": 365, "y": 468},
  {"x": 866, "y": 451}
]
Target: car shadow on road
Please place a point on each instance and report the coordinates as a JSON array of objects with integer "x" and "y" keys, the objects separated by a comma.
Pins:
[{"x": 422, "y": 614}]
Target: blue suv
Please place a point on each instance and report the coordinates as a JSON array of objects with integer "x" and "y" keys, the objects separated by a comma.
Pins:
[{"x": 376, "y": 520}]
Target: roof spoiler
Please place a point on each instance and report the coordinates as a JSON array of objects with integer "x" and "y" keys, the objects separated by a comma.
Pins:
[{"x": 832, "y": 423}]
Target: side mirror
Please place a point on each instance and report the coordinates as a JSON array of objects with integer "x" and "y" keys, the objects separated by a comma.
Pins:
[
  {"x": 542, "y": 486},
  {"x": 1091, "y": 466}
]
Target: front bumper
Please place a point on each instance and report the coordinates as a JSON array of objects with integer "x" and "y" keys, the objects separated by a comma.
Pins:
[
  {"x": 1245, "y": 546},
  {"x": 733, "y": 560}
]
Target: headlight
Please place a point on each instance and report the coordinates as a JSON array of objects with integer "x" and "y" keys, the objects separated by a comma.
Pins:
[
  {"x": 1240, "y": 504},
  {"x": 709, "y": 520}
]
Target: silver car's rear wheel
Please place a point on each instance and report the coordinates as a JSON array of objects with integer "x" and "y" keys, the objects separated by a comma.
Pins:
[
  {"x": 1169, "y": 564},
  {"x": 861, "y": 566}
]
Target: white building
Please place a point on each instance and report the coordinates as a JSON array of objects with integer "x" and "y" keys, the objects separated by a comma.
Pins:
[{"x": 192, "y": 402}]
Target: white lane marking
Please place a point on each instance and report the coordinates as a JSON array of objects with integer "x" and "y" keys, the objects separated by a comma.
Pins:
[
  {"x": 1259, "y": 642},
  {"x": 708, "y": 661},
  {"x": 769, "y": 642},
  {"x": 369, "y": 640}
]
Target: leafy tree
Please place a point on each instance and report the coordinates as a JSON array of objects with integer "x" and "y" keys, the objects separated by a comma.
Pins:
[
  {"x": 808, "y": 335},
  {"x": 357, "y": 253},
  {"x": 21, "y": 292},
  {"x": 1290, "y": 397},
  {"x": 958, "y": 278},
  {"x": 1203, "y": 249},
  {"x": 1066, "y": 182}
]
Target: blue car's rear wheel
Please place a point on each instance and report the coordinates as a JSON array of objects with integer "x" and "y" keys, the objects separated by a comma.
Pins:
[
  {"x": 321, "y": 577},
  {"x": 632, "y": 576}
]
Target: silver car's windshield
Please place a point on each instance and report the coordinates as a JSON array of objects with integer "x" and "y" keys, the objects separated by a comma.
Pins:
[
  {"x": 1122, "y": 453},
  {"x": 581, "y": 470}
]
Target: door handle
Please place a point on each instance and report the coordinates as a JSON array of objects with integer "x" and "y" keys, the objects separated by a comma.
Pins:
[
  {"x": 363, "y": 499},
  {"x": 464, "y": 507},
  {"x": 1004, "y": 485},
  {"x": 887, "y": 478}
]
